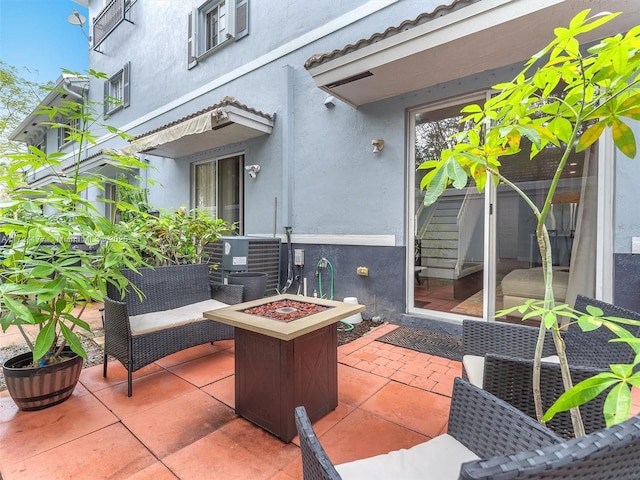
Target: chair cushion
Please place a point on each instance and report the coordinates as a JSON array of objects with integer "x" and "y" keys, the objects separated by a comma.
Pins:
[
  {"x": 153, "y": 321},
  {"x": 474, "y": 366},
  {"x": 437, "y": 459}
]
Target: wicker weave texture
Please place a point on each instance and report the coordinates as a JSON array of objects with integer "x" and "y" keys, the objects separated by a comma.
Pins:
[
  {"x": 509, "y": 350},
  {"x": 511, "y": 379},
  {"x": 166, "y": 288},
  {"x": 610, "y": 454},
  {"x": 316, "y": 465},
  {"x": 593, "y": 348},
  {"x": 483, "y": 423}
]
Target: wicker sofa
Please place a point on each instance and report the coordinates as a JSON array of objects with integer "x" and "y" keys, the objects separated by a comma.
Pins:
[
  {"x": 486, "y": 439},
  {"x": 498, "y": 357},
  {"x": 163, "y": 314}
]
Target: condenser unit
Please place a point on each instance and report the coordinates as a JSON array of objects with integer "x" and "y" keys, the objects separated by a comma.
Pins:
[{"x": 246, "y": 254}]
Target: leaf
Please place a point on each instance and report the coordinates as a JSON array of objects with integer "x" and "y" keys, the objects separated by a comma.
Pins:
[
  {"x": 44, "y": 340},
  {"x": 623, "y": 138},
  {"x": 590, "y": 136},
  {"x": 435, "y": 188},
  {"x": 457, "y": 173},
  {"x": 73, "y": 341},
  {"x": 617, "y": 405},
  {"x": 580, "y": 394},
  {"x": 550, "y": 319}
]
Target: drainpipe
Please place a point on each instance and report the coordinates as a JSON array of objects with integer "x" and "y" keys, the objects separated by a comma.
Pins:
[{"x": 287, "y": 168}]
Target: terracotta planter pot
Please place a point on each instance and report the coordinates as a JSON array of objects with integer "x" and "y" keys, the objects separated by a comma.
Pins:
[{"x": 35, "y": 388}]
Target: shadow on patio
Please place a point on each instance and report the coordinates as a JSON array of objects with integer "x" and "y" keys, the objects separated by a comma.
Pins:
[{"x": 180, "y": 422}]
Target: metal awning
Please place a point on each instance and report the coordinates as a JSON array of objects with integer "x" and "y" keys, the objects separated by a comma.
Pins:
[
  {"x": 226, "y": 122},
  {"x": 454, "y": 41}
]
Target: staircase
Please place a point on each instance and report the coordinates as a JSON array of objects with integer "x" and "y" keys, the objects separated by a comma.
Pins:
[{"x": 445, "y": 236}]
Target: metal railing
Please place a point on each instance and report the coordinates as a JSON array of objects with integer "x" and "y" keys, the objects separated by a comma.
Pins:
[{"x": 107, "y": 21}]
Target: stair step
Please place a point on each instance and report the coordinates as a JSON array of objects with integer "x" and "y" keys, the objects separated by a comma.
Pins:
[
  {"x": 449, "y": 244},
  {"x": 440, "y": 253},
  {"x": 440, "y": 263},
  {"x": 441, "y": 235}
]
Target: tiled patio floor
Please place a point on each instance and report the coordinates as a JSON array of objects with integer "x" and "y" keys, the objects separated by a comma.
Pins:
[{"x": 180, "y": 422}]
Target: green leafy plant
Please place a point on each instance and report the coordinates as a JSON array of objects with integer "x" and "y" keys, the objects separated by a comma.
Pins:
[
  {"x": 175, "y": 238},
  {"x": 565, "y": 97},
  {"x": 59, "y": 251}
]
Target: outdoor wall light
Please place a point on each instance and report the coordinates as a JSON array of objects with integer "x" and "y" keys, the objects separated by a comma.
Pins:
[
  {"x": 378, "y": 145},
  {"x": 252, "y": 170},
  {"x": 330, "y": 101}
]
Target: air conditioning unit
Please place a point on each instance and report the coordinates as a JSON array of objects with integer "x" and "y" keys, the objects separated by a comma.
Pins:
[{"x": 246, "y": 254}]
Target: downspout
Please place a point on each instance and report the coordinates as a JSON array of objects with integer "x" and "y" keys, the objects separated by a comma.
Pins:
[{"x": 287, "y": 169}]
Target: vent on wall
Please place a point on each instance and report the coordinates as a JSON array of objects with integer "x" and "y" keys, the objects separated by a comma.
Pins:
[{"x": 246, "y": 254}]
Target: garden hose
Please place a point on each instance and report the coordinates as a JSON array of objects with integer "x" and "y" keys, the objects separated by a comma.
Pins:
[{"x": 343, "y": 326}]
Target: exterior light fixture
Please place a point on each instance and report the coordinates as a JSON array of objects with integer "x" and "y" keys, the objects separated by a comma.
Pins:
[
  {"x": 252, "y": 170},
  {"x": 378, "y": 145}
]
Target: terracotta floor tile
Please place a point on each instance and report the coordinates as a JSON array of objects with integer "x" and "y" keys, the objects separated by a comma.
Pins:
[
  {"x": 156, "y": 471},
  {"x": 281, "y": 475},
  {"x": 176, "y": 423},
  {"x": 363, "y": 434},
  {"x": 205, "y": 370},
  {"x": 219, "y": 456},
  {"x": 25, "y": 434},
  {"x": 260, "y": 443},
  {"x": 355, "y": 386},
  {"x": 93, "y": 380},
  {"x": 148, "y": 391},
  {"x": 187, "y": 355},
  {"x": 329, "y": 421},
  {"x": 410, "y": 407},
  {"x": 111, "y": 453},
  {"x": 223, "y": 390},
  {"x": 182, "y": 410}
]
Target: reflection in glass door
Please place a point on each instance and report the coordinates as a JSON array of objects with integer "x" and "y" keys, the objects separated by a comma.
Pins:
[
  {"x": 448, "y": 236},
  {"x": 572, "y": 224}
]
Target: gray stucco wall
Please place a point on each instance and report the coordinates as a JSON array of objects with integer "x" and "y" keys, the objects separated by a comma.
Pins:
[
  {"x": 627, "y": 225},
  {"x": 338, "y": 186}
]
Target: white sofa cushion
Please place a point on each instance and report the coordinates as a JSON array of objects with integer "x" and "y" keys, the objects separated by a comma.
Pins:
[
  {"x": 436, "y": 459},
  {"x": 474, "y": 366},
  {"x": 529, "y": 283},
  {"x": 153, "y": 321}
]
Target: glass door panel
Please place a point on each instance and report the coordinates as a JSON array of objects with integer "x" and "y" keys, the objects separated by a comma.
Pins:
[
  {"x": 448, "y": 236},
  {"x": 571, "y": 224}
]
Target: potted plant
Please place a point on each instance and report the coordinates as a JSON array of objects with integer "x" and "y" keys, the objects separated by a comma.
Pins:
[
  {"x": 566, "y": 96},
  {"x": 59, "y": 255}
]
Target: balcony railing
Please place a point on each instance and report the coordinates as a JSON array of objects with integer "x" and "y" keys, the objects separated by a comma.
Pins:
[{"x": 107, "y": 21}]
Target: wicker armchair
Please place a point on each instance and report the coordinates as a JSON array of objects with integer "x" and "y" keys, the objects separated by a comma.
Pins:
[
  {"x": 164, "y": 289},
  {"x": 479, "y": 424},
  {"x": 506, "y": 352},
  {"x": 509, "y": 445}
]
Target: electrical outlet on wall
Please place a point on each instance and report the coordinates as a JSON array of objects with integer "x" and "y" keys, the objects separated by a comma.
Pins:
[{"x": 635, "y": 245}]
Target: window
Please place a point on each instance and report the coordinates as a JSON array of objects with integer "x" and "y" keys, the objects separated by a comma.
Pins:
[
  {"x": 116, "y": 91},
  {"x": 70, "y": 126},
  {"x": 216, "y": 188},
  {"x": 41, "y": 144},
  {"x": 215, "y": 23}
]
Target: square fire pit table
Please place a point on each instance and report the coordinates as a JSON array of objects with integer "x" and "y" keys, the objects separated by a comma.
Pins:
[{"x": 280, "y": 364}]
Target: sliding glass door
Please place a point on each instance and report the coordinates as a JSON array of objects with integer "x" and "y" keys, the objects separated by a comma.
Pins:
[
  {"x": 448, "y": 236},
  {"x": 471, "y": 254}
]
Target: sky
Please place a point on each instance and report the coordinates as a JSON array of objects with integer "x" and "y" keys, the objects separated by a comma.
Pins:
[{"x": 35, "y": 34}]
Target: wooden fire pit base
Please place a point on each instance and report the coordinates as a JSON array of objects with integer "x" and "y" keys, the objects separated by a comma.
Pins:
[{"x": 274, "y": 376}]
